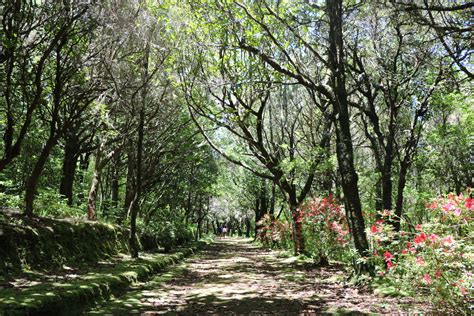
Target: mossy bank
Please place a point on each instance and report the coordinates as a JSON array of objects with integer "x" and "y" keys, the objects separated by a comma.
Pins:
[{"x": 48, "y": 244}]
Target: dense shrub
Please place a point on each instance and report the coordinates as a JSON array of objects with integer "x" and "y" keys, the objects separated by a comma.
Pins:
[
  {"x": 434, "y": 258},
  {"x": 164, "y": 234},
  {"x": 50, "y": 203},
  {"x": 325, "y": 228},
  {"x": 276, "y": 233}
]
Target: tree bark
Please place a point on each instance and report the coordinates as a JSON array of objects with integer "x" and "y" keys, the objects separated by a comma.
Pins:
[
  {"x": 402, "y": 180},
  {"x": 92, "y": 198},
  {"x": 70, "y": 160},
  {"x": 248, "y": 227},
  {"x": 257, "y": 216},
  {"x": 33, "y": 180},
  {"x": 298, "y": 237},
  {"x": 130, "y": 184},
  {"x": 344, "y": 148},
  {"x": 135, "y": 206},
  {"x": 114, "y": 183}
]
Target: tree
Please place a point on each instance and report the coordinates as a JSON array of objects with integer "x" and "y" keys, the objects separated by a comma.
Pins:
[
  {"x": 247, "y": 95},
  {"x": 451, "y": 25},
  {"x": 29, "y": 30},
  {"x": 307, "y": 65},
  {"x": 393, "y": 108},
  {"x": 71, "y": 93}
]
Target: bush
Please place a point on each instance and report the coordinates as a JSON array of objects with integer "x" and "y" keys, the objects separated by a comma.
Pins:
[
  {"x": 433, "y": 258},
  {"x": 50, "y": 203},
  {"x": 274, "y": 233},
  {"x": 325, "y": 228},
  {"x": 164, "y": 234}
]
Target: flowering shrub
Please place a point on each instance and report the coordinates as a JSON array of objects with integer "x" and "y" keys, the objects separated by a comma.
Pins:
[
  {"x": 325, "y": 227},
  {"x": 435, "y": 257},
  {"x": 274, "y": 232}
]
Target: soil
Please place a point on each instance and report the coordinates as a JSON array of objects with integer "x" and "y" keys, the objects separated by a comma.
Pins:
[{"x": 235, "y": 277}]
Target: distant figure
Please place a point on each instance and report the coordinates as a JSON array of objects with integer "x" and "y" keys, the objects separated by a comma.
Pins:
[
  {"x": 219, "y": 231},
  {"x": 224, "y": 231}
]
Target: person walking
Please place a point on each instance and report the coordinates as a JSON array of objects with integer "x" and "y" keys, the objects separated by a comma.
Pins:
[{"x": 224, "y": 231}]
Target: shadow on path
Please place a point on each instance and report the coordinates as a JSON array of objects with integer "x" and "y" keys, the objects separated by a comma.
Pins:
[{"x": 232, "y": 276}]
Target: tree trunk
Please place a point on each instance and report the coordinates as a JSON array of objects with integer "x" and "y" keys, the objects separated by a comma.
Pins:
[
  {"x": 239, "y": 228},
  {"x": 344, "y": 149},
  {"x": 401, "y": 186},
  {"x": 92, "y": 198},
  {"x": 135, "y": 206},
  {"x": 33, "y": 180},
  {"x": 70, "y": 160},
  {"x": 378, "y": 195},
  {"x": 248, "y": 225},
  {"x": 272, "y": 203},
  {"x": 130, "y": 184},
  {"x": 327, "y": 176},
  {"x": 298, "y": 237},
  {"x": 214, "y": 228},
  {"x": 257, "y": 217},
  {"x": 83, "y": 166},
  {"x": 114, "y": 183},
  {"x": 387, "y": 181}
]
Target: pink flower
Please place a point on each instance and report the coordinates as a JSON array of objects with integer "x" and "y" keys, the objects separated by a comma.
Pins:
[
  {"x": 433, "y": 238},
  {"x": 419, "y": 261},
  {"x": 463, "y": 290},
  {"x": 469, "y": 204},
  {"x": 448, "y": 207},
  {"x": 404, "y": 251},
  {"x": 427, "y": 278},
  {"x": 432, "y": 205},
  {"x": 390, "y": 265},
  {"x": 418, "y": 227},
  {"x": 420, "y": 238},
  {"x": 388, "y": 256},
  {"x": 402, "y": 233},
  {"x": 457, "y": 212},
  {"x": 374, "y": 229},
  {"x": 438, "y": 273},
  {"x": 448, "y": 240}
]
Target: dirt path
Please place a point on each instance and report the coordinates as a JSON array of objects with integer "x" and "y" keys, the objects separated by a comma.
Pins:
[{"x": 232, "y": 276}]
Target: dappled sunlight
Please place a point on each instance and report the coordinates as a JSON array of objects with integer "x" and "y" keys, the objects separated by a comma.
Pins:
[{"x": 233, "y": 276}]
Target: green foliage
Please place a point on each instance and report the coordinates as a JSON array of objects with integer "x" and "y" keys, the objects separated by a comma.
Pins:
[
  {"x": 276, "y": 233},
  {"x": 433, "y": 257},
  {"x": 166, "y": 229},
  {"x": 49, "y": 203}
]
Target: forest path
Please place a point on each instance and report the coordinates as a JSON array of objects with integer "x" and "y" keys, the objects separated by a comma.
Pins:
[{"x": 233, "y": 276}]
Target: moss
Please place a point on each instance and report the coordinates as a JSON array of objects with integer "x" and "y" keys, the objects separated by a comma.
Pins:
[
  {"x": 47, "y": 244},
  {"x": 99, "y": 285}
]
